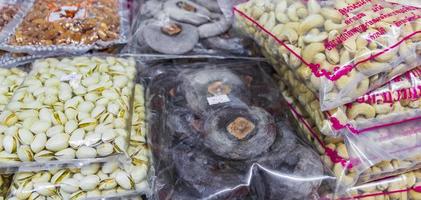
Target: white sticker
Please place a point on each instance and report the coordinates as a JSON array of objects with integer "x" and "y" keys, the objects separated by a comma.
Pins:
[
  {"x": 67, "y": 12},
  {"x": 218, "y": 99}
]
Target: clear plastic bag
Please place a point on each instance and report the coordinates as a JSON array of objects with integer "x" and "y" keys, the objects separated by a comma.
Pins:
[
  {"x": 68, "y": 111},
  {"x": 337, "y": 156},
  {"x": 405, "y": 186},
  {"x": 215, "y": 134},
  {"x": 186, "y": 27},
  {"x": 339, "y": 50},
  {"x": 124, "y": 179},
  {"x": 10, "y": 10},
  {"x": 394, "y": 103},
  {"x": 68, "y": 26}
]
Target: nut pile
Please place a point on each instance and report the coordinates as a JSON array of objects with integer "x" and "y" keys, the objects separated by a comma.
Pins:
[
  {"x": 10, "y": 80},
  {"x": 347, "y": 176},
  {"x": 306, "y": 28},
  {"x": 359, "y": 115},
  {"x": 64, "y": 22},
  {"x": 94, "y": 180},
  {"x": 7, "y": 12},
  {"x": 405, "y": 186},
  {"x": 72, "y": 108}
]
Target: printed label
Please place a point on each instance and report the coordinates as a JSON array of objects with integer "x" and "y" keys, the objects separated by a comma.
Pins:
[
  {"x": 218, "y": 99},
  {"x": 70, "y": 11}
]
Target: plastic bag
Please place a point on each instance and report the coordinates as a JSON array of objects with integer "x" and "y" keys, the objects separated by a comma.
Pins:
[
  {"x": 339, "y": 50},
  {"x": 69, "y": 26},
  {"x": 336, "y": 155},
  {"x": 394, "y": 103},
  {"x": 5, "y": 182},
  {"x": 99, "y": 180},
  {"x": 68, "y": 111},
  {"x": 10, "y": 10},
  {"x": 214, "y": 135},
  {"x": 186, "y": 28},
  {"x": 405, "y": 186}
]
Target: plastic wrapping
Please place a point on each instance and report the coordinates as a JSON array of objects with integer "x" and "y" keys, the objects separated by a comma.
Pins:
[
  {"x": 394, "y": 103},
  {"x": 405, "y": 186},
  {"x": 186, "y": 27},
  {"x": 9, "y": 10},
  {"x": 336, "y": 155},
  {"x": 71, "y": 26},
  {"x": 214, "y": 135},
  {"x": 339, "y": 50},
  {"x": 68, "y": 111},
  {"x": 100, "y": 180}
]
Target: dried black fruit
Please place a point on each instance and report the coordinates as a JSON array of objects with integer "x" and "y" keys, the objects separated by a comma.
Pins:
[
  {"x": 239, "y": 133},
  {"x": 171, "y": 37}
]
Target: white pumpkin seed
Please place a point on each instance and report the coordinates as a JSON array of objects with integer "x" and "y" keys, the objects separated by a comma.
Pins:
[
  {"x": 105, "y": 149},
  {"x": 70, "y": 126},
  {"x": 10, "y": 144},
  {"x": 65, "y": 154},
  {"x": 124, "y": 180},
  {"x": 92, "y": 139}
]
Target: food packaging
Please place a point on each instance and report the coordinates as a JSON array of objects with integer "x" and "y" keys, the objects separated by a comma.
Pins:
[
  {"x": 216, "y": 133},
  {"x": 114, "y": 179},
  {"x": 5, "y": 181},
  {"x": 396, "y": 102},
  {"x": 336, "y": 155},
  {"x": 405, "y": 186},
  {"x": 70, "y": 110},
  {"x": 69, "y": 26},
  {"x": 186, "y": 27},
  {"x": 339, "y": 50}
]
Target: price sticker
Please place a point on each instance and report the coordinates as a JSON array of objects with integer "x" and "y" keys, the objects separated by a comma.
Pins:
[{"x": 218, "y": 99}]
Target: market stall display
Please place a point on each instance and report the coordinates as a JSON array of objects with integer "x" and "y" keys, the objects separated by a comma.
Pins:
[
  {"x": 339, "y": 50},
  {"x": 209, "y": 140}
]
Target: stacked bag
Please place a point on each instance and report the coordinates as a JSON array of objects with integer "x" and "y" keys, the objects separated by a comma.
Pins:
[{"x": 350, "y": 70}]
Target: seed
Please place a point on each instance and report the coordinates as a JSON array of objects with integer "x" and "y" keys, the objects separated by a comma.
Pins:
[
  {"x": 89, "y": 169},
  {"x": 25, "y": 154},
  {"x": 109, "y": 167},
  {"x": 8, "y": 118},
  {"x": 78, "y": 195},
  {"x": 24, "y": 190},
  {"x": 113, "y": 108},
  {"x": 70, "y": 126},
  {"x": 88, "y": 124},
  {"x": 70, "y": 113},
  {"x": 92, "y": 139},
  {"x": 55, "y": 130},
  {"x": 120, "y": 144},
  {"x": 97, "y": 111},
  {"x": 105, "y": 149},
  {"x": 108, "y": 135},
  {"x": 10, "y": 144},
  {"x": 86, "y": 152},
  {"x": 124, "y": 180},
  {"x": 58, "y": 142},
  {"x": 89, "y": 183},
  {"x": 59, "y": 118},
  {"x": 43, "y": 156},
  {"x": 86, "y": 106},
  {"x": 93, "y": 193},
  {"x": 44, "y": 188},
  {"x": 70, "y": 185},
  {"x": 59, "y": 176},
  {"x": 138, "y": 173},
  {"x": 65, "y": 154},
  {"x": 40, "y": 126},
  {"x": 77, "y": 138}
]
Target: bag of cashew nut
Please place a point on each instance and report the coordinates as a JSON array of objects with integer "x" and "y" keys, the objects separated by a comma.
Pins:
[
  {"x": 215, "y": 133},
  {"x": 394, "y": 103},
  {"x": 403, "y": 187},
  {"x": 186, "y": 27},
  {"x": 340, "y": 49},
  {"x": 71, "y": 110},
  {"x": 110, "y": 180},
  {"x": 337, "y": 156},
  {"x": 53, "y": 26}
]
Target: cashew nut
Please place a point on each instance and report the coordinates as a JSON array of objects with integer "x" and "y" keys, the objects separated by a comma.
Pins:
[
  {"x": 363, "y": 109},
  {"x": 312, "y": 49},
  {"x": 292, "y": 11},
  {"x": 310, "y": 22}
]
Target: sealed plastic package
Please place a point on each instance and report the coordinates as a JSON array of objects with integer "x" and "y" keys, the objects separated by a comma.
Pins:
[
  {"x": 348, "y": 167},
  {"x": 339, "y": 50},
  {"x": 186, "y": 28},
  {"x": 68, "y": 110},
  {"x": 405, "y": 186},
  {"x": 68, "y": 26},
  {"x": 112, "y": 179},
  {"x": 215, "y": 133}
]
